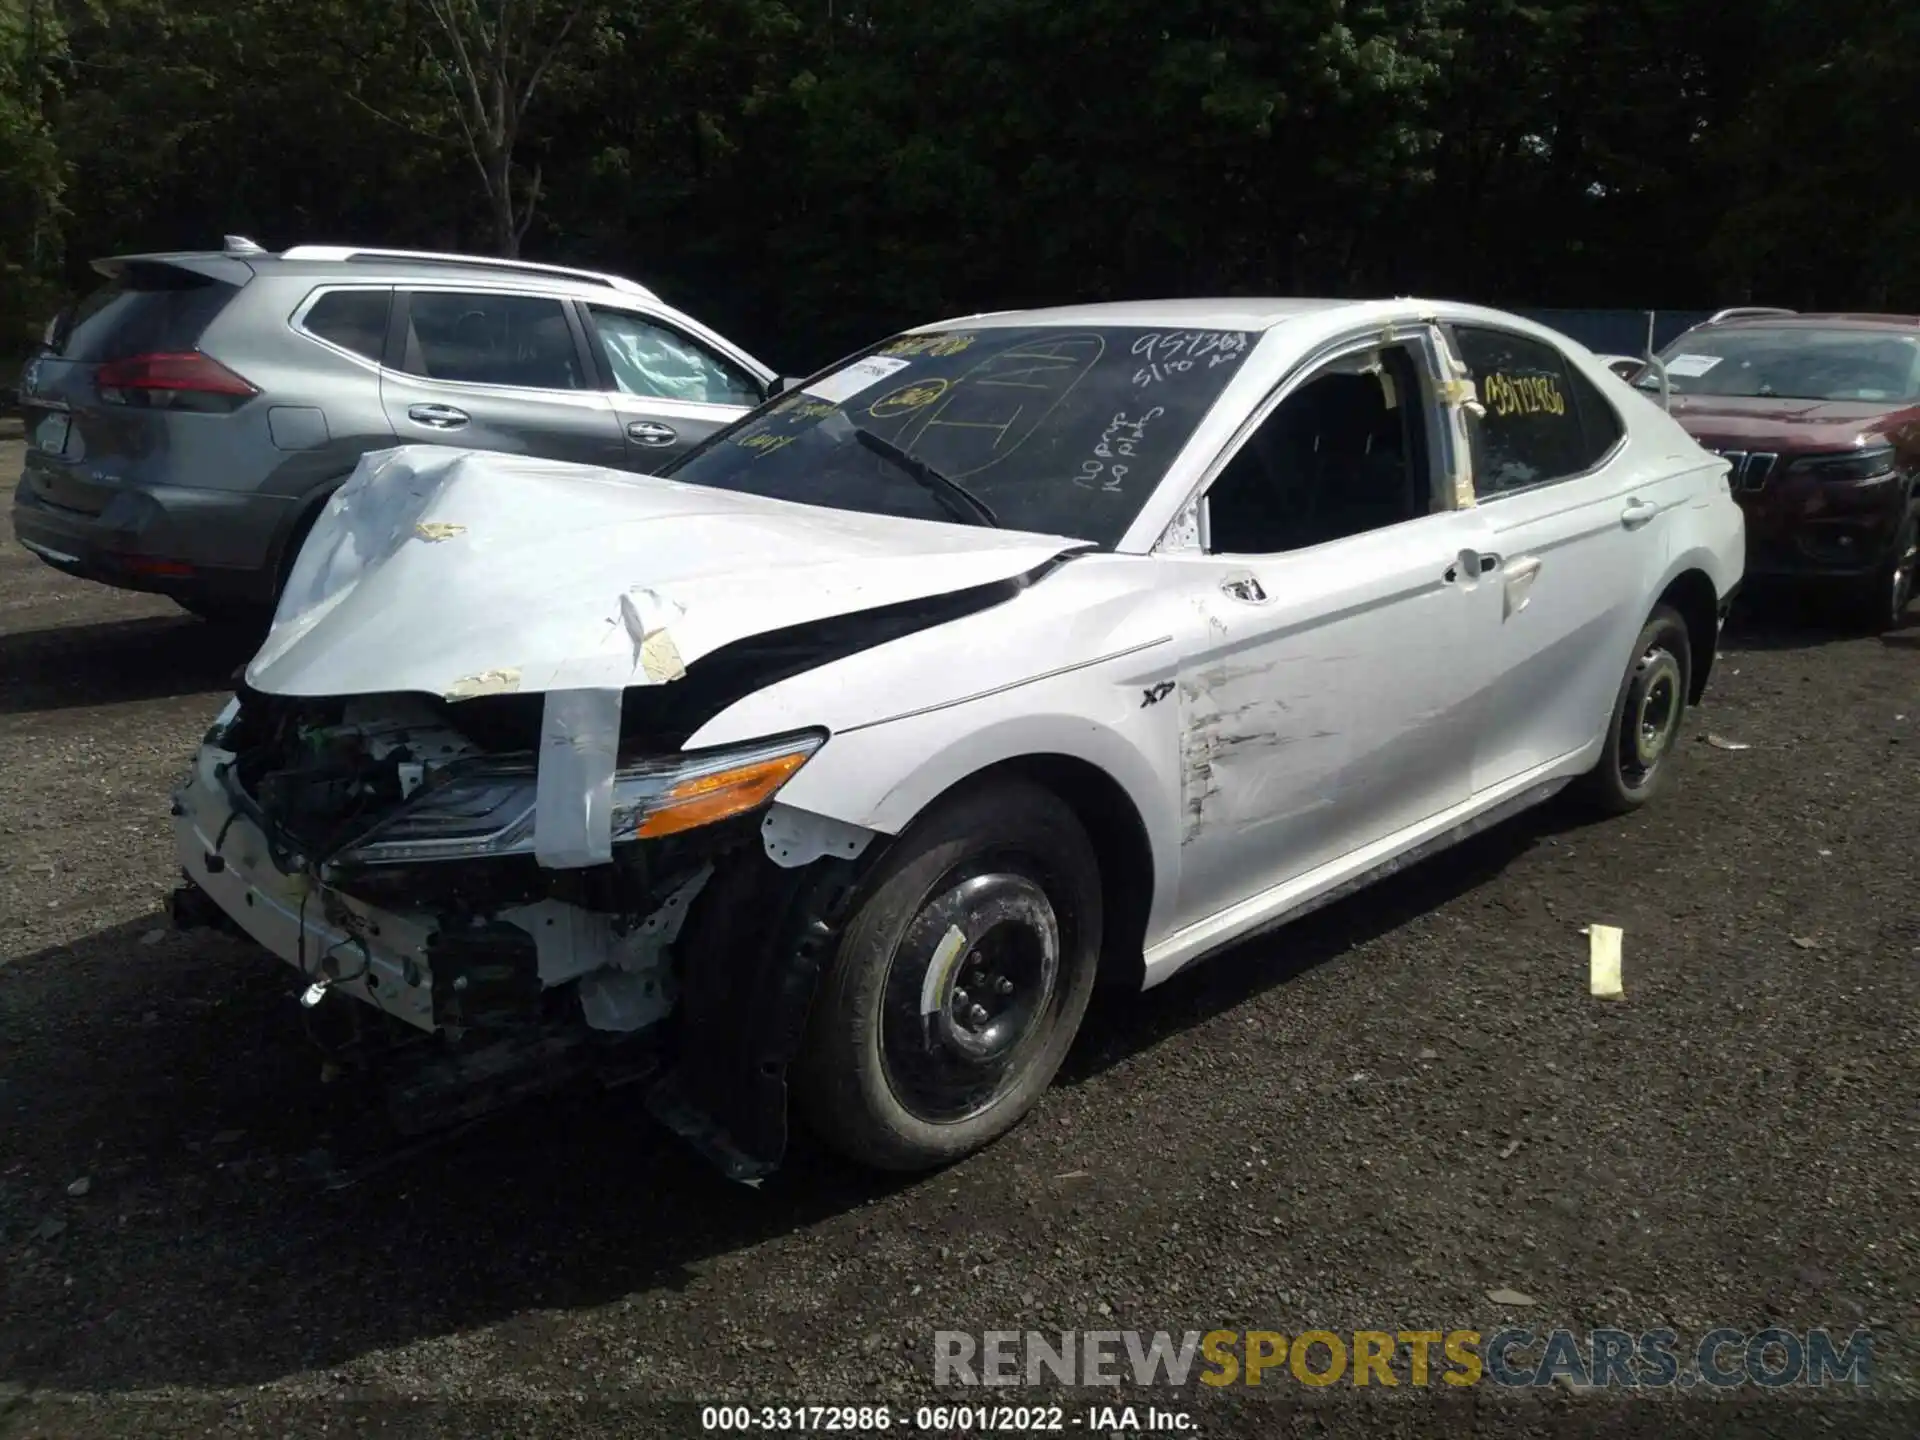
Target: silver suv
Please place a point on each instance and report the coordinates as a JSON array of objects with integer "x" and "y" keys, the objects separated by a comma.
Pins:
[{"x": 187, "y": 421}]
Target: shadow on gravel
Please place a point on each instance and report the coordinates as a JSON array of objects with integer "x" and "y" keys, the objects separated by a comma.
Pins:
[
  {"x": 207, "y": 1252},
  {"x": 1788, "y": 619},
  {"x": 170, "y": 1070},
  {"x": 117, "y": 661}
]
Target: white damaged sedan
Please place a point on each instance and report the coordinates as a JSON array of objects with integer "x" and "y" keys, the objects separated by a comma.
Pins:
[{"x": 1020, "y": 651}]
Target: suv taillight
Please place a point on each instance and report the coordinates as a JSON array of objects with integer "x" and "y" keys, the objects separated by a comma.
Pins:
[{"x": 183, "y": 381}]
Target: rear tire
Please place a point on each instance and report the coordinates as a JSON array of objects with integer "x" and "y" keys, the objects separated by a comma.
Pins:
[
  {"x": 959, "y": 984},
  {"x": 1642, "y": 737},
  {"x": 234, "y": 614}
]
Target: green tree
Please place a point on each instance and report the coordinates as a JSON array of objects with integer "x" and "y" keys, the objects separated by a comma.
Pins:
[
  {"x": 494, "y": 59},
  {"x": 33, "y": 174}
]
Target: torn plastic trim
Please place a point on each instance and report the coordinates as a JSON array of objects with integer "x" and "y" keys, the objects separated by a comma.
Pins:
[
  {"x": 488, "y": 808},
  {"x": 625, "y": 981},
  {"x": 763, "y": 933},
  {"x": 794, "y": 837}
]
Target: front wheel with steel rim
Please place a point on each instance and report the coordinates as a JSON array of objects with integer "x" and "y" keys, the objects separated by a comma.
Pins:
[
  {"x": 959, "y": 983},
  {"x": 1648, "y": 712}
]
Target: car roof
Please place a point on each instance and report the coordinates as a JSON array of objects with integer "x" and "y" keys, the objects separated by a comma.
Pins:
[
  {"x": 378, "y": 267},
  {"x": 1199, "y": 314},
  {"x": 1259, "y": 314}
]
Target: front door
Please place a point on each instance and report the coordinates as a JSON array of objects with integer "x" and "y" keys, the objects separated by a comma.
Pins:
[
  {"x": 669, "y": 391},
  {"x": 1330, "y": 702}
]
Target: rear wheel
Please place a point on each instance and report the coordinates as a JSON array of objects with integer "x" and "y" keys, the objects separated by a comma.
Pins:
[
  {"x": 1648, "y": 713},
  {"x": 960, "y": 983},
  {"x": 237, "y": 614}
]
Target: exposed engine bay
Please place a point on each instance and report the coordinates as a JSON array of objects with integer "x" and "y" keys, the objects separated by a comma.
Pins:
[{"x": 323, "y": 830}]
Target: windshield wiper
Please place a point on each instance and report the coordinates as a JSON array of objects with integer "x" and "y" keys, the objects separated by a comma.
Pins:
[{"x": 954, "y": 497}]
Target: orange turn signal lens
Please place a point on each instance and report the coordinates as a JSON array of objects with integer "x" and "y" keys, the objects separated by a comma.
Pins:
[{"x": 707, "y": 798}]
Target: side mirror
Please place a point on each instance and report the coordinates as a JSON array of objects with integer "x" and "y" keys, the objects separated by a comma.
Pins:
[{"x": 781, "y": 386}]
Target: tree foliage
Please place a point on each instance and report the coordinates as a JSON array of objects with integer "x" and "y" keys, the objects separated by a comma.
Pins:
[{"x": 809, "y": 173}]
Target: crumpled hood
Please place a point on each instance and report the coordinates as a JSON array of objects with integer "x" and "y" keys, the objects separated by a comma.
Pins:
[{"x": 462, "y": 572}]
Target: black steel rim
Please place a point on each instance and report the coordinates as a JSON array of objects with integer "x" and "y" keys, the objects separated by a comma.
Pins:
[
  {"x": 1654, "y": 706},
  {"x": 972, "y": 991}
]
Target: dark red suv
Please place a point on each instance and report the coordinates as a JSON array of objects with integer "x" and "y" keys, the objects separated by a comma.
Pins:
[{"x": 1820, "y": 415}]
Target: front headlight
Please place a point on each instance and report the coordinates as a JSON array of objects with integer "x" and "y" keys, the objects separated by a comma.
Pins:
[
  {"x": 486, "y": 809},
  {"x": 1869, "y": 463}
]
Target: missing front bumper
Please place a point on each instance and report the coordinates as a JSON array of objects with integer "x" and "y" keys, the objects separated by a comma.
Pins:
[{"x": 538, "y": 994}]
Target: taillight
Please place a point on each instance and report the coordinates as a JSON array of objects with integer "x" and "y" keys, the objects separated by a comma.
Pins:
[{"x": 183, "y": 381}]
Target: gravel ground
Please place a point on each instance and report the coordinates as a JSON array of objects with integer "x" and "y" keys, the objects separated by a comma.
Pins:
[{"x": 1370, "y": 1120}]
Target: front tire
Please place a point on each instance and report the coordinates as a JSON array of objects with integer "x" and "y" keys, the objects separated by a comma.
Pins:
[
  {"x": 1880, "y": 603},
  {"x": 1642, "y": 737},
  {"x": 959, "y": 984}
]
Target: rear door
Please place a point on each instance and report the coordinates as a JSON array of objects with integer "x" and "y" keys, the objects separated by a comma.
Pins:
[
  {"x": 1580, "y": 541},
  {"x": 669, "y": 388},
  {"x": 495, "y": 370}
]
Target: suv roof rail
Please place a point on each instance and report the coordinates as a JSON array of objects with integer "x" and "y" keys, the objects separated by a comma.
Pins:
[
  {"x": 1738, "y": 312},
  {"x": 483, "y": 262}
]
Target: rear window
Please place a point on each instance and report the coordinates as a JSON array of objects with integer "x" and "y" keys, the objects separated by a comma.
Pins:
[
  {"x": 1543, "y": 420},
  {"x": 147, "y": 309},
  {"x": 355, "y": 320}
]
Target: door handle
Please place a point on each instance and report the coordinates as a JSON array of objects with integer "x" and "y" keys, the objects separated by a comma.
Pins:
[
  {"x": 439, "y": 417},
  {"x": 1638, "y": 513},
  {"x": 652, "y": 432},
  {"x": 1473, "y": 564},
  {"x": 1246, "y": 588}
]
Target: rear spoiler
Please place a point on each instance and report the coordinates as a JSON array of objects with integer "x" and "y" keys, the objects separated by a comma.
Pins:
[{"x": 208, "y": 264}]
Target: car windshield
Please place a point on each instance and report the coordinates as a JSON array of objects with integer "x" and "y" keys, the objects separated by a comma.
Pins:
[
  {"x": 1046, "y": 428},
  {"x": 1790, "y": 362}
]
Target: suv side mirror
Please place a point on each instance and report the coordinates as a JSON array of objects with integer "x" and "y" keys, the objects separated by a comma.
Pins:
[{"x": 781, "y": 386}]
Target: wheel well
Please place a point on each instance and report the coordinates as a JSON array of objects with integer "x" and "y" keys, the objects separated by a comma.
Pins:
[
  {"x": 1120, "y": 844},
  {"x": 296, "y": 533},
  {"x": 1693, "y": 595}
]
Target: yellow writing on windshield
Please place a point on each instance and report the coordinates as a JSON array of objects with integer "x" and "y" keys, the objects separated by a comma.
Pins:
[
  {"x": 928, "y": 345},
  {"x": 763, "y": 443},
  {"x": 907, "y": 397}
]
